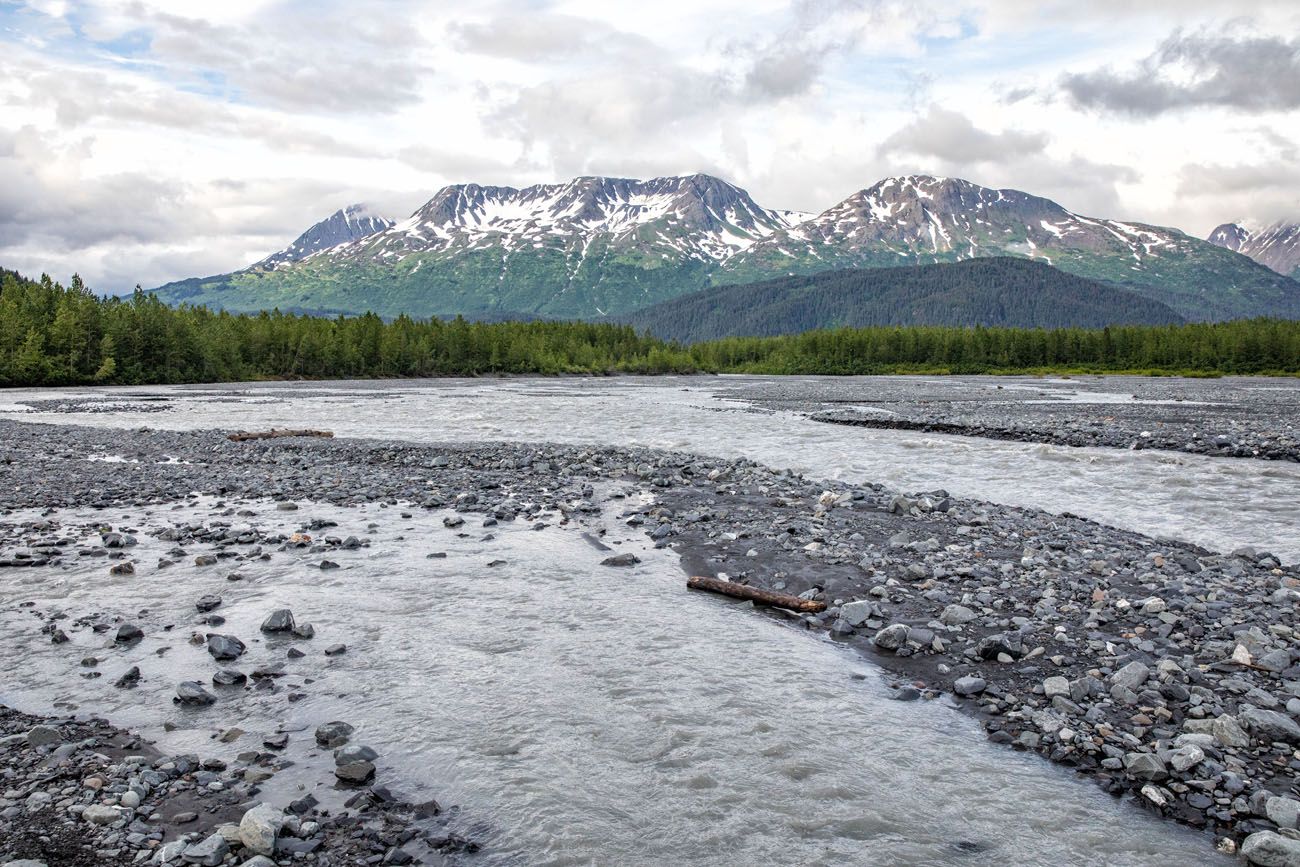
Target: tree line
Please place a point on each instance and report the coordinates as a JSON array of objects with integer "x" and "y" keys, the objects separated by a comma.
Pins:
[{"x": 56, "y": 335}]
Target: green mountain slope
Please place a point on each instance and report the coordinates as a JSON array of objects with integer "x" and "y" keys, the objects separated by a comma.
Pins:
[{"x": 990, "y": 292}]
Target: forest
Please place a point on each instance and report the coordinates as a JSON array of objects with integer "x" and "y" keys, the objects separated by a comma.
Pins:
[
  {"x": 993, "y": 292},
  {"x": 52, "y": 335}
]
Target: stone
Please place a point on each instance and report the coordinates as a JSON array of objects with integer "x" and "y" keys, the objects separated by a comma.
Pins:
[
  {"x": 129, "y": 799},
  {"x": 857, "y": 613},
  {"x": 1185, "y": 757},
  {"x": 280, "y": 620},
  {"x": 1002, "y": 644},
  {"x": 354, "y": 753},
  {"x": 225, "y": 647},
  {"x": 43, "y": 736},
  {"x": 127, "y": 633},
  {"x": 1270, "y": 724},
  {"x": 1269, "y": 849},
  {"x": 333, "y": 734},
  {"x": 192, "y": 693},
  {"x": 208, "y": 852},
  {"x": 207, "y": 603},
  {"x": 625, "y": 559},
  {"x": 1227, "y": 731},
  {"x": 956, "y": 615},
  {"x": 101, "y": 814},
  {"x": 24, "y": 862},
  {"x": 1054, "y": 686},
  {"x": 130, "y": 679},
  {"x": 1283, "y": 812},
  {"x": 892, "y": 637},
  {"x": 969, "y": 685},
  {"x": 258, "y": 861},
  {"x": 259, "y": 828},
  {"x": 355, "y": 772},
  {"x": 1131, "y": 676},
  {"x": 1145, "y": 766},
  {"x": 229, "y": 677},
  {"x": 336, "y": 650}
]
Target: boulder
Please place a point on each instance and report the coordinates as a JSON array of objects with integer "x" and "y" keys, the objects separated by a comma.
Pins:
[
  {"x": 259, "y": 828},
  {"x": 280, "y": 620},
  {"x": 208, "y": 852},
  {"x": 1267, "y": 849}
]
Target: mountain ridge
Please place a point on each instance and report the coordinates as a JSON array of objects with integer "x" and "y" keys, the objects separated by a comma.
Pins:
[
  {"x": 1276, "y": 246},
  {"x": 597, "y": 246}
]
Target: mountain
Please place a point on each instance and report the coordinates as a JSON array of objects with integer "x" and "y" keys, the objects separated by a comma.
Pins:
[
  {"x": 1277, "y": 246},
  {"x": 915, "y": 219},
  {"x": 591, "y": 247},
  {"x": 347, "y": 224},
  {"x": 993, "y": 292},
  {"x": 597, "y": 247}
]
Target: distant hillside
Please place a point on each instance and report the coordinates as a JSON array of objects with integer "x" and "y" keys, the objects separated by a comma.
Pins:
[
  {"x": 990, "y": 292},
  {"x": 599, "y": 246}
]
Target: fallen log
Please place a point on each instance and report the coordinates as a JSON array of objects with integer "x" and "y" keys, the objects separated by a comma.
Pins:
[
  {"x": 276, "y": 434},
  {"x": 754, "y": 594}
]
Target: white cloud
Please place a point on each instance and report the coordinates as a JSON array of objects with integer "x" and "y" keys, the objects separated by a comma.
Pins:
[{"x": 148, "y": 141}]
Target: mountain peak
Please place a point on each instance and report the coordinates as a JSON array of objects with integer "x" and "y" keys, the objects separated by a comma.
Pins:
[
  {"x": 344, "y": 225},
  {"x": 1275, "y": 246}
]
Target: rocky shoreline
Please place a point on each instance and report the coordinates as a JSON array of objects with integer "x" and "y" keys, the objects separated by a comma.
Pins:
[
  {"x": 1234, "y": 417},
  {"x": 1152, "y": 667}
]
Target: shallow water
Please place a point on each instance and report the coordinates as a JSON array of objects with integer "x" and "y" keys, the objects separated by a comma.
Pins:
[
  {"x": 579, "y": 714},
  {"x": 1222, "y": 503}
]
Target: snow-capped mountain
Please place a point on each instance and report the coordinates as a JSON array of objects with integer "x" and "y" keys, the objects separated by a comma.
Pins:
[
  {"x": 599, "y": 246},
  {"x": 1276, "y": 246},
  {"x": 696, "y": 218},
  {"x": 346, "y": 224}
]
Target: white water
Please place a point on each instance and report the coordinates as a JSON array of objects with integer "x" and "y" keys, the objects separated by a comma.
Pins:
[
  {"x": 1221, "y": 503},
  {"x": 579, "y": 714}
]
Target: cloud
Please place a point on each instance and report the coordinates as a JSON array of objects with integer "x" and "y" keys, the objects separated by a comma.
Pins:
[
  {"x": 1246, "y": 73},
  {"x": 953, "y": 137}
]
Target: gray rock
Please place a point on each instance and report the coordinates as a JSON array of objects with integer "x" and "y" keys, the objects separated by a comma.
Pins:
[
  {"x": 857, "y": 613},
  {"x": 24, "y": 862},
  {"x": 1227, "y": 731},
  {"x": 1145, "y": 766},
  {"x": 969, "y": 685},
  {"x": 354, "y": 753},
  {"x": 225, "y": 647},
  {"x": 1054, "y": 686},
  {"x": 1131, "y": 676},
  {"x": 101, "y": 814},
  {"x": 191, "y": 692},
  {"x": 956, "y": 615},
  {"x": 207, "y": 853},
  {"x": 1003, "y": 643},
  {"x": 336, "y": 650},
  {"x": 355, "y": 772},
  {"x": 280, "y": 620},
  {"x": 127, "y": 633},
  {"x": 1283, "y": 812},
  {"x": 625, "y": 559},
  {"x": 1267, "y": 849},
  {"x": 258, "y": 861},
  {"x": 333, "y": 734},
  {"x": 259, "y": 828},
  {"x": 42, "y": 736},
  {"x": 1187, "y": 756},
  {"x": 1270, "y": 724},
  {"x": 892, "y": 637},
  {"x": 207, "y": 602}
]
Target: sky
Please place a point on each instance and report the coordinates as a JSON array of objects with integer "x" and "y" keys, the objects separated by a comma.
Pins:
[{"x": 151, "y": 140}]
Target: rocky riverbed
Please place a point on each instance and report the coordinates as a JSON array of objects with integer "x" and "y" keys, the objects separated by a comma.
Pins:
[
  {"x": 1157, "y": 669},
  {"x": 1229, "y": 417}
]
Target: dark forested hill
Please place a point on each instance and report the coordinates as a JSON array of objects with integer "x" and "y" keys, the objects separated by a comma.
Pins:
[{"x": 990, "y": 292}]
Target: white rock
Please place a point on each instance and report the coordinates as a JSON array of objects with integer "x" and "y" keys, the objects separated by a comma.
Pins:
[{"x": 259, "y": 828}]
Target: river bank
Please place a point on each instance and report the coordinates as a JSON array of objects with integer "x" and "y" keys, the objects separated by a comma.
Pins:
[
  {"x": 1155, "y": 668},
  {"x": 1237, "y": 417}
]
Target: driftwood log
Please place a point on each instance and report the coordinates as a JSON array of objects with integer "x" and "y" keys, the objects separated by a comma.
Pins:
[
  {"x": 276, "y": 434},
  {"x": 744, "y": 591}
]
